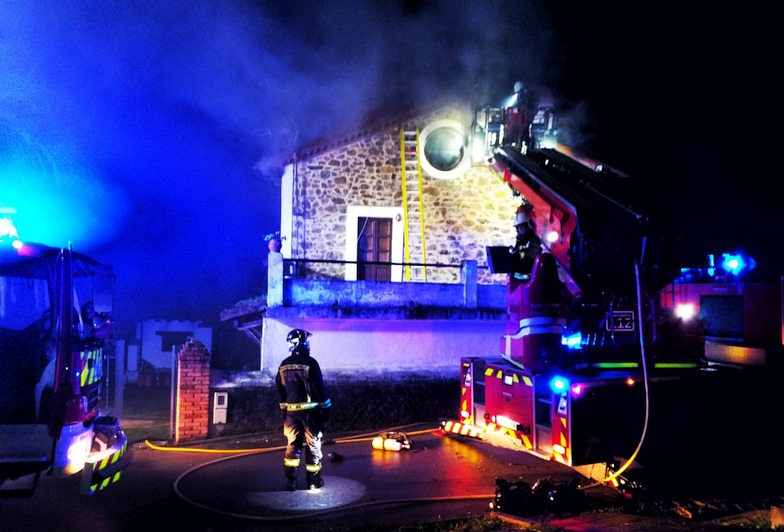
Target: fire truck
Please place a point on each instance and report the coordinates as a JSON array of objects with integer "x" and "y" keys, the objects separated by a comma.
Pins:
[
  {"x": 593, "y": 325},
  {"x": 742, "y": 319},
  {"x": 55, "y": 329}
]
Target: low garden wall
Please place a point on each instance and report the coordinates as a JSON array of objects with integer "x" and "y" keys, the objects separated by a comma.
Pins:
[{"x": 360, "y": 403}]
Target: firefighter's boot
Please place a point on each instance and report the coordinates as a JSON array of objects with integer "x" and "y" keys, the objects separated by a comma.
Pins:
[
  {"x": 315, "y": 482},
  {"x": 314, "y": 476},
  {"x": 291, "y": 478}
]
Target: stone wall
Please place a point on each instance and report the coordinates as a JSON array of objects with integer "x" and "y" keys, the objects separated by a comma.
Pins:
[{"x": 462, "y": 215}]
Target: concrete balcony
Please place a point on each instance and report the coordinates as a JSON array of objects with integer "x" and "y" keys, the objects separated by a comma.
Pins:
[
  {"x": 290, "y": 296},
  {"x": 367, "y": 327}
]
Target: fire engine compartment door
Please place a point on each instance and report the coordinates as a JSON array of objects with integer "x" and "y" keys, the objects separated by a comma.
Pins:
[
  {"x": 509, "y": 397},
  {"x": 472, "y": 389}
]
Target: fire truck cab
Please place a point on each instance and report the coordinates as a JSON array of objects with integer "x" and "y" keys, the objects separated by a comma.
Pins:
[{"x": 55, "y": 324}]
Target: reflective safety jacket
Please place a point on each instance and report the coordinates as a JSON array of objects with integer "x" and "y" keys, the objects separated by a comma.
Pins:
[{"x": 300, "y": 384}]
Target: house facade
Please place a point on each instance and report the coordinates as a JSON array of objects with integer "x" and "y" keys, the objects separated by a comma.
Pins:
[{"x": 384, "y": 251}]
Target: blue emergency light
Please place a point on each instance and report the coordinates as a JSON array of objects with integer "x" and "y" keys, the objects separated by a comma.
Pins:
[
  {"x": 572, "y": 341},
  {"x": 733, "y": 263},
  {"x": 559, "y": 384}
]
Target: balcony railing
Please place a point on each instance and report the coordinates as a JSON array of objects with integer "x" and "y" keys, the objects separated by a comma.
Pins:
[{"x": 292, "y": 287}]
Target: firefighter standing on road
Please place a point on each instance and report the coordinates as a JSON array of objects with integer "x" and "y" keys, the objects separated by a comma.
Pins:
[{"x": 303, "y": 397}]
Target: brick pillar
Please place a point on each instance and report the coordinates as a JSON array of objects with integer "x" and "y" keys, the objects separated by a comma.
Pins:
[{"x": 193, "y": 392}]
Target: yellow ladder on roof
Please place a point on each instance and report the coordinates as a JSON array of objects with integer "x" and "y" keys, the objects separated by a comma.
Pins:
[{"x": 413, "y": 206}]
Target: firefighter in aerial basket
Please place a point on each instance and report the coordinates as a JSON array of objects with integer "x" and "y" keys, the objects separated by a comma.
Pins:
[
  {"x": 527, "y": 244},
  {"x": 306, "y": 405}
]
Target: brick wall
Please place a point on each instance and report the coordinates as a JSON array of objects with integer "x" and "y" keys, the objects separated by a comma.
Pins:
[{"x": 193, "y": 389}]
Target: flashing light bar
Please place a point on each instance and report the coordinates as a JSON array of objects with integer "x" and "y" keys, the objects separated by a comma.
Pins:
[{"x": 8, "y": 229}]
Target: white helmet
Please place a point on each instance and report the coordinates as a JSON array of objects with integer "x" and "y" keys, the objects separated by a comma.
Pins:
[
  {"x": 520, "y": 218},
  {"x": 523, "y": 214}
]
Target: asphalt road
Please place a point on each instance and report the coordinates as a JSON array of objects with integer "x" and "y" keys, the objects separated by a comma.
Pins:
[
  {"x": 237, "y": 485},
  {"x": 724, "y": 448}
]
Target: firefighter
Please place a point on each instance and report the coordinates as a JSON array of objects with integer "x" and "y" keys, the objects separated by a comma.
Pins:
[
  {"x": 304, "y": 400},
  {"x": 527, "y": 244}
]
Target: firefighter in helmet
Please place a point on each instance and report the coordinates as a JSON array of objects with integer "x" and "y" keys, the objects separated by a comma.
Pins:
[
  {"x": 527, "y": 244},
  {"x": 304, "y": 400}
]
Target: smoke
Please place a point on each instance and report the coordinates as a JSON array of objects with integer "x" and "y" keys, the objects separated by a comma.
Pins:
[{"x": 155, "y": 114}]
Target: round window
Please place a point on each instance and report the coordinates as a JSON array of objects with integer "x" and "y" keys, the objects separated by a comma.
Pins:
[{"x": 443, "y": 149}]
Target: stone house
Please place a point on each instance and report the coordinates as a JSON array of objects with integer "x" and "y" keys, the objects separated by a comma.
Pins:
[{"x": 384, "y": 252}]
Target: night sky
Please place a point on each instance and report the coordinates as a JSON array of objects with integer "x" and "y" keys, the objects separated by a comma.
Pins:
[{"x": 140, "y": 124}]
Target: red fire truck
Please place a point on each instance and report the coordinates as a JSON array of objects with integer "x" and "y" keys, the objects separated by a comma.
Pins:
[
  {"x": 742, "y": 320},
  {"x": 592, "y": 329},
  {"x": 55, "y": 326}
]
